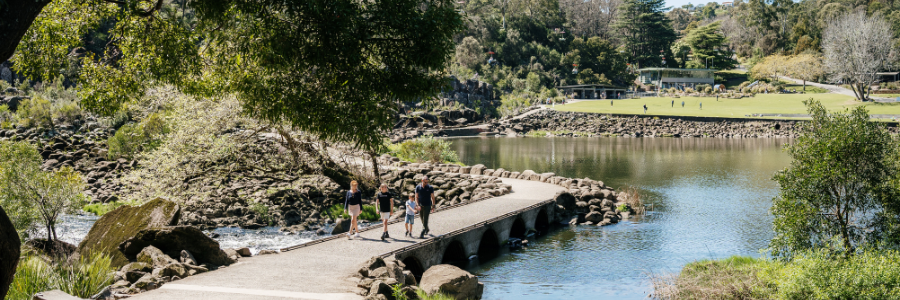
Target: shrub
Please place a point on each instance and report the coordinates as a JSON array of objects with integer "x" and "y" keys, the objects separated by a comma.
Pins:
[
  {"x": 262, "y": 213},
  {"x": 35, "y": 112},
  {"x": 368, "y": 213},
  {"x": 6, "y": 116},
  {"x": 132, "y": 139},
  {"x": 82, "y": 278},
  {"x": 424, "y": 149},
  {"x": 702, "y": 87},
  {"x": 103, "y": 208},
  {"x": 708, "y": 90}
]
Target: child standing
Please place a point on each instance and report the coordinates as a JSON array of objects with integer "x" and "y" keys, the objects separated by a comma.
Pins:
[{"x": 411, "y": 207}]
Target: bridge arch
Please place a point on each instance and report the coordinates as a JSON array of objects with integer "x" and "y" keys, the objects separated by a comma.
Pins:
[
  {"x": 542, "y": 221},
  {"x": 518, "y": 228},
  {"x": 455, "y": 254},
  {"x": 414, "y": 266},
  {"x": 489, "y": 247}
]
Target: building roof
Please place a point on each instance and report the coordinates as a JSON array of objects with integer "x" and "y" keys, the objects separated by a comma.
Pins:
[
  {"x": 590, "y": 86},
  {"x": 677, "y": 69}
]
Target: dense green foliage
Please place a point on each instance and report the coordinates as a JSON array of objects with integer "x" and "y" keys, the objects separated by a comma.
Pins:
[
  {"x": 33, "y": 195},
  {"x": 425, "y": 149},
  {"x": 82, "y": 278},
  {"x": 368, "y": 213},
  {"x": 334, "y": 69},
  {"x": 809, "y": 275},
  {"x": 132, "y": 139},
  {"x": 840, "y": 190},
  {"x": 708, "y": 48},
  {"x": 646, "y": 32}
]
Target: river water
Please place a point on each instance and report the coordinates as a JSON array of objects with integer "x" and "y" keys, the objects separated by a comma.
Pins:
[{"x": 710, "y": 200}]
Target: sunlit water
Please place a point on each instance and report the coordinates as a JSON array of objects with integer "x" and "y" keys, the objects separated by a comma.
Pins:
[{"x": 710, "y": 197}]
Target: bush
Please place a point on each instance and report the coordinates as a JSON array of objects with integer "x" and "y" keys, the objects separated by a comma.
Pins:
[
  {"x": 424, "y": 149},
  {"x": 368, "y": 213},
  {"x": 6, "y": 116},
  {"x": 262, "y": 213},
  {"x": 34, "y": 112},
  {"x": 132, "y": 139},
  {"x": 82, "y": 278},
  {"x": 103, "y": 208}
]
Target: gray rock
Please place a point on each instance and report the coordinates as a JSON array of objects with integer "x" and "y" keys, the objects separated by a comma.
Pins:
[
  {"x": 10, "y": 249},
  {"x": 452, "y": 281},
  {"x": 155, "y": 257},
  {"x": 188, "y": 258}
]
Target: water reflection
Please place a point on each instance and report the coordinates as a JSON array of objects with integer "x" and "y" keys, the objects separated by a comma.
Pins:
[{"x": 711, "y": 199}]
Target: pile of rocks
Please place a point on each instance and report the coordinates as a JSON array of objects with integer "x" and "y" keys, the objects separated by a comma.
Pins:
[
  {"x": 415, "y": 124},
  {"x": 161, "y": 255},
  {"x": 378, "y": 277},
  {"x": 467, "y": 93},
  {"x": 589, "y": 124},
  {"x": 83, "y": 148}
]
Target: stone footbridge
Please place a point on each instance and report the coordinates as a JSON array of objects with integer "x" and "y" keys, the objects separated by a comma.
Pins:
[{"x": 324, "y": 269}]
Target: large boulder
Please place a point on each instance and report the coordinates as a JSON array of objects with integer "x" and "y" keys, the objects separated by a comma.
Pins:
[
  {"x": 451, "y": 281},
  {"x": 173, "y": 240},
  {"x": 124, "y": 223},
  {"x": 9, "y": 252},
  {"x": 341, "y": 226}
]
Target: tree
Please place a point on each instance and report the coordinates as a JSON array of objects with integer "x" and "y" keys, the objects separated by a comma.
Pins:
[
  {"x": 47, "y": 194},
  {"x": 469, "y": 53},
  {"x": 856, "y": 46},
  {"x": 333, "y": 69},
  {"x": 680, "y": 18},
  {"x": 806, "y": 67},
  {"x": 590, "y": 18},
  {"x": 708, "y": 44},
  {"x": 646, "y": 32},
  {"x": 601, "y": 57},
  {"x": 841, "y": 178},
  {"x": 771, "y": 65}
]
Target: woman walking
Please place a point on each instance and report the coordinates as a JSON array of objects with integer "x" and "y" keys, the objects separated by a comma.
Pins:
[
  {"x": 385, "y": 207},
  {"x": 353, "y": 206}
]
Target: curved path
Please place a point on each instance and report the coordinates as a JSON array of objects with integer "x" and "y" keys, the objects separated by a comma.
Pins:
[{"x": 323, "y": 271}]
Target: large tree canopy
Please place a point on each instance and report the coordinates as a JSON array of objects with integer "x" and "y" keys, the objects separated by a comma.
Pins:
[
  {"x": 647, "y": 33},
  {"x": 332, "y": 68},
  {"x": 709, "y": 48}
]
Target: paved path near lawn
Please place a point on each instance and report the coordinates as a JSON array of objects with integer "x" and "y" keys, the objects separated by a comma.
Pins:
[{"x": 323, "y": 271}]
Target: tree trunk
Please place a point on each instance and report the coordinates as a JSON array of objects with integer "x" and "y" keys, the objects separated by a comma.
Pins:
[
  {"x": 16, "y": 16},
  {"x": 49, "y": 237},
  {"x": 804, "y": 85},
  {"x": 10, "y": 248},
  {"x": 374, "y": 157}
]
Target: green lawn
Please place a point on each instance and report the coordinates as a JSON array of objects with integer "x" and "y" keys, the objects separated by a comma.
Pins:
[{"x": 729, "y": 108}]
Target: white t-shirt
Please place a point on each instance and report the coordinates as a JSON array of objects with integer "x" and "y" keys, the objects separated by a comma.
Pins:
[{"x": 410, "y": 207}]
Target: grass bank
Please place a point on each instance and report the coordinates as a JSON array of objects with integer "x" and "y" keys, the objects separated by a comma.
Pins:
[
  {"x": 814, "y": 275},
  {"x": 726, "y": 108}
]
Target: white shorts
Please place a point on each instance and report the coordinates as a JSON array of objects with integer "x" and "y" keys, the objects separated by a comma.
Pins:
[{"x": 385, "y": 215}]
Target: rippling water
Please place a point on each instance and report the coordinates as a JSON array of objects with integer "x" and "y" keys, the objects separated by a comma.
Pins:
[{"x": 710, "y": 196}]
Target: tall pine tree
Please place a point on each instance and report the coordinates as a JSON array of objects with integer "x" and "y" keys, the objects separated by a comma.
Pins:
[{"x": 646, "y": 32}]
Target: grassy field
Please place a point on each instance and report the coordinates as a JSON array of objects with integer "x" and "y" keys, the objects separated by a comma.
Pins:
[{"x": 727, "y": 108}]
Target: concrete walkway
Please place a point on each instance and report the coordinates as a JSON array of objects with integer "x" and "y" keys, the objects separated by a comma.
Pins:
[
  {"x": 838, "y": 89},
  {"x": 323, "y": 271}
]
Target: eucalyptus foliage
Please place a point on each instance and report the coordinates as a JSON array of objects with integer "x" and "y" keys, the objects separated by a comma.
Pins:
[
  {"x": 333, "y": 68},
  {"x": 840, "y": 190}
]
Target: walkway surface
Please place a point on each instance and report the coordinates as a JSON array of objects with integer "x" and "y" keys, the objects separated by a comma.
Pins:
[
  {"x": 838, "y": 89},
  {"x": 323, "y": 271}
]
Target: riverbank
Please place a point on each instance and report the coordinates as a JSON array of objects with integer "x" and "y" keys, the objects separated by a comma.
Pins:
[
  {"x": 558, "y": 123},
  {"x": 814, "y": 275},
  {"x": 771, "y": 105}
]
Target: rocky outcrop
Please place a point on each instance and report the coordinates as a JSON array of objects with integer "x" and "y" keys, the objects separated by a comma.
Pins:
[
  {"x": 590, "y": 124},
  {"x": 152, "y": 269},
  {"x": 451, "y": 281},
  {"x": 10, "y": 247},
  {"x": 124, "y": 223},
  {"x": 377, "y": 276},
  {"x": 177, "y": 241}
]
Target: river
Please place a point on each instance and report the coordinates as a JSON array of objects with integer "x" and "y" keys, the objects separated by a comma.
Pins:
[{"x": 710, "y": 200}]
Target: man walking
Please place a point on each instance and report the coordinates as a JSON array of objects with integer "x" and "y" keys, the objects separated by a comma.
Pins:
[
  {"x": 682, "y": 103},
  {"x": 425, "y": 196},
  {"x": 673, "y": 103},
  {"x": 645, "y": 109}
]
